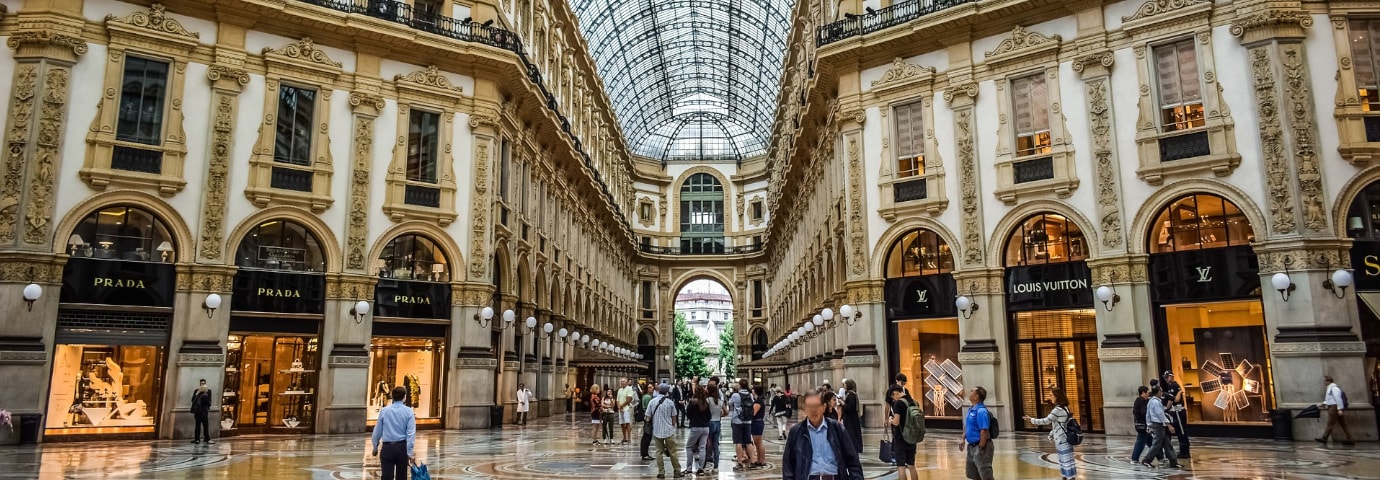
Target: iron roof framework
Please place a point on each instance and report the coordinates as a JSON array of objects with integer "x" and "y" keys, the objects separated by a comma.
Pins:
[{"x": 690, "y": 79}]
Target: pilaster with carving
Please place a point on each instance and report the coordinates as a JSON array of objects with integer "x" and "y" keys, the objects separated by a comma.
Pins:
[
  {"x": 227, "y": 81},
  {"x": 366, "y": 107},
  {"x": 961, "y": 99},
  {"x": 1095, "y": 70}
]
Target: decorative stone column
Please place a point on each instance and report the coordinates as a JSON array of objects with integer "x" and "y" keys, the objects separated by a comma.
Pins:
[
  {"x": 512, "y": 363},
  {"x": 560, "y": 375},
  {"x": 1123, "y": 324},
  {"x": 862, "y": 361},
  {"x": 544, "y": 389},
  {"x": 344, "y": 377},
  {"x": 984, "y": 336},
  {"x": 197, "y": 335},
  {"x": 470, "y": 387}
]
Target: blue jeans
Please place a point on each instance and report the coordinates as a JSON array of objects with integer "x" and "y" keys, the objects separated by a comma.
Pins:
[
  {"x": 712, "y": 455},
  {"x": 1142, "y": 441}
]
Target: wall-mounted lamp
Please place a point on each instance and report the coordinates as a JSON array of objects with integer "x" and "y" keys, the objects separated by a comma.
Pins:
[
  {"x": 1108, "y": 296},
  {"x": 966, "y": 306},
  {"x": 666, "y": 357},
  {"x": 547, "y": 329},
  {"x": 1283, "y": 284},
  {"x": 31, "y": 293},
  {"x": 531, "y": 324},
  {"x": 561, "y": 334},
  {"x": 1339, "y": 281},
  {"x": 810, "y": 332},
  {"x": 484, "y": 316},
  {"x": 850, "y": 315},
  {"x": 211, "y": 303},
  {"x": 360, "y": 311}
]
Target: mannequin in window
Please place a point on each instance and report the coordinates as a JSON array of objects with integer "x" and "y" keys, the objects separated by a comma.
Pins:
[{"x": 381, "y": 394}]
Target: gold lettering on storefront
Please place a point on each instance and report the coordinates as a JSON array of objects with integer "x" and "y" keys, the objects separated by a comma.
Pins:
[
  {"x": 279, "y": 292},
  {"x": 118, "y": 283},
  {"x": 412, "y": 300},
  {"x": 1372, "y": 264}
]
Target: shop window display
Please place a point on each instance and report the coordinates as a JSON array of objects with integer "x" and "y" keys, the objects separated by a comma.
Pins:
[
  {"x": 928, "y": 353},
  {"x": 411, "y": 363},
  {"x": 1058, "y": 349},
  {"x": 270, "y": 381},
  {"x": 104, "y": 389},
  {"x": 121, "y": 233},
  {"x": 1198, "y": 222},
  {"x": 1223, "y": 361}
]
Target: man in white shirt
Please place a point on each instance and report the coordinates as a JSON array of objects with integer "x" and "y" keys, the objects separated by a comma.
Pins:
[
  {"x": 1335, "y": 402},
  {"x": 524, "y": 396},
  {"x": 627, "y": 402}
]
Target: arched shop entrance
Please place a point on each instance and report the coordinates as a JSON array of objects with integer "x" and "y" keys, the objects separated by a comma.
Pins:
[
  {"x": 1363, "y": 226},
  {"x": 922, "y": 324},
  {"x": 1209, "y": 321},
  {"x": 1051, "y": 325},
  {"x": 411, "y": 320}
]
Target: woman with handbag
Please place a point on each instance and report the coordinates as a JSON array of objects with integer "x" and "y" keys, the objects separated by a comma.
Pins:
[
  {"x": 851, "y": 413},
  {"x": 1058, "y": 419}
]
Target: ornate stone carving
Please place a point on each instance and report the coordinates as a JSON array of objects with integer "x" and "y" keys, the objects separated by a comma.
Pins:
[
  {"x": 1108, "y": 192},
  {"x": 1022, "y": 39},
  {"x": 900, "y": 71},
  {"x": 45, "y": 38},
  {"x": 10, "y": 357},
  {"x": 1104, "y": 58},
  {"x": 430, "y": 77},
  {"x": 156, "y": 20},
  {"x": 376, "y": 101},
  {"x": 17, "y": 140},
  {"x": 357, "y": 232},
  {"x": 1271, "y": 17},
  {"x": 859, "y": 116},
  {"x": 204, "y": 280},
  {"x": 477, "y": 121},
  {"x": 1301, "y": 127},
  {"x": 217, "y": 72},
  {"x": 661, "y": 207},
  {"x": 1287, "y": 258},
  {"x": 855, "y": 213},
  {"x": 200, "y": 360},
  {"x": 966, "y": 89},
  {"x": 968, "y": 189},
  {"x": 1281, "y": 198},
  {"x": 52, "y": 116},
  {"x": 479, "y": 213},
  {"x": 1158, "y": 7},
  {"x": 218, "y": 176},
  {"x": 305, "y": 49}
]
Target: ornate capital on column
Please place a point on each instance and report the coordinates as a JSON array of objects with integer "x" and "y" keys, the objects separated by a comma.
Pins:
[
  {"x": 1095, "y": 64},
  {"x": 202, "y": 278},
  {"x": 1120, "y": 269},
  {"x": 350, "y": 287},
  {"x": 472, "y": 294},
  {"x": 44, "y": 43},
  {"x": 32, "y": 268},
  {"x": 1268, "y": 23},
  {"x": 1296, "y": 255}
]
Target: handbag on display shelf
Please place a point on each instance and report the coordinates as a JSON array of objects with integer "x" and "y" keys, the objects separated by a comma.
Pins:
[{"x": 884, "y": 453}]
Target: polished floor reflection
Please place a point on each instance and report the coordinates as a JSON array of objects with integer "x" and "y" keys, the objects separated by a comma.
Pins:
[{"x": 560, "y": 447}]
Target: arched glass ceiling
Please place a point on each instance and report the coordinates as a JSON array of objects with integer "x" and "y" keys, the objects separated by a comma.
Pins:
[{"x": 690, "y": 79}]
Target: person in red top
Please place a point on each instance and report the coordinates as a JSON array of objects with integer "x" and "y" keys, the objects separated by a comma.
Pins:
[{"x": 596, "y": 411}]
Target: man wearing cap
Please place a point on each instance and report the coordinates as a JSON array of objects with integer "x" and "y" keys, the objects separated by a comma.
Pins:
[{"x": 1174, "y": 409}]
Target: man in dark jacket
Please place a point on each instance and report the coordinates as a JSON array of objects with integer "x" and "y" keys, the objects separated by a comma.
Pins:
[
  {"x": 201, "y": 410},
  {"x": 819, "y": 446}
]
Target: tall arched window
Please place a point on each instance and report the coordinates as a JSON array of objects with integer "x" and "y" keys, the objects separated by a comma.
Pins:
[
  {"x": 759, "y": 343},
  {"x": 702, "y": 215},
  {"x": 413, "y": 257},
  {"x": 919, "y": 252},
  {"x": 1045, "y": 238},
  {"x": 281, "y": 245},
  {"x": 122, "y": 233},
  {"x": 1200, "y": 221}
]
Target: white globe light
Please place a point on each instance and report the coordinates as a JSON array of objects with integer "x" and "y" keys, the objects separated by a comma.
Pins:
[
  {"x": 818, "y": 320},
  {"x": 509, "y": 316},
  {"x": 548, "y": 327},
  {"x": 487, "y": 313},
  {"x": 563, "y": 332},
  {"x": 362, "y": 307},
  {"x": 1104, "y": 294},
  {"x": 828, "y": 314},
  {"x": 809, "y": 327},
  {"x": 531, "y": 322},
  {"x": 212, "y": 300},
  {"x": 1280, "y": 281},
  {"x": 846, "y": 311},
  {"x": 585, "y": 337},
  {"x": 963, "y": 303},
  {"x": 1342, "y": 278}
]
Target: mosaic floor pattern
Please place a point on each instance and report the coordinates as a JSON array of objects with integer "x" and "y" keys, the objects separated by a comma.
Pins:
[{"x": 559, "y": 447}]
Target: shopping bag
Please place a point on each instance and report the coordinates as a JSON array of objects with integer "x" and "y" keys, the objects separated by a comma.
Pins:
[
  {"x": 884, "y": 454},
  {"x": 419, "y": 472}
]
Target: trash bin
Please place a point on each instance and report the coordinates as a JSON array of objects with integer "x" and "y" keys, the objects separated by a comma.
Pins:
[
  {"x": 1282, "y": 423},
  {"x": 496, "y": 416},
  {"x": 29, "y": 425}
]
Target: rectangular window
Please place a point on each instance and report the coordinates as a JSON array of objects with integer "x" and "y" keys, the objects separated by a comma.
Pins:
[
  {"x": 757, "y": 211},
  {"x": 644, "y": 211},
  {"x": 1180, "y": 89},
  {"x": 646, "y": 295},
  {"x": 757, "y": 295},
  {"x": 910, "y": 140},
  {"x": 504, "y": 157},
  {"x": 423, "y": 138},
  {"x": 1030, "y": 105},
  {"x": 141, "y": 103},
  {"x": 1365, "y": 53},
  {"x": 296, "y": 106}
]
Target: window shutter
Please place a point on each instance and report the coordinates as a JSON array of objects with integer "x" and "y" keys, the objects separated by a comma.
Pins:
[
  {"x": 1020, "y": 104},
  {"x": 1039, "y": 103},
  {"x": 1167, "y": 75},
  {"x": 1189, "y": 85},
  {"x": 1365, "y": 45},
  {"x": 909, "y": 130}
]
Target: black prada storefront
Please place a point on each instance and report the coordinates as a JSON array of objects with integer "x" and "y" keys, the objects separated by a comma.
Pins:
[
  {"x": 411, "y": 320},
  {"x": 111, "y": 343},
  {"x": 1209, "y": 320},
  {"x": 1052, "y": 327},
  {"x": 922, "y": 324},
  {"x": 273, "y": 351}
]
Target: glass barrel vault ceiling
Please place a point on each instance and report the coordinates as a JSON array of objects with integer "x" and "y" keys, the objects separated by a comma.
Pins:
[{"x": 690, "y": 79}]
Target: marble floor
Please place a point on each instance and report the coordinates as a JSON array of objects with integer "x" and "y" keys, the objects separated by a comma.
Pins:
[{"x": 560, "y": 447}]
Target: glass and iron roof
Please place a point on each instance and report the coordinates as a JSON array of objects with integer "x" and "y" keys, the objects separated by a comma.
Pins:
[{"x": 690, "y": 79}]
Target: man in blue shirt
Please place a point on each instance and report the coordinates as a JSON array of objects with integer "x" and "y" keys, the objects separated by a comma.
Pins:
[
  {"x": 397, "y": 429},
  {"x": 1161, "y": 425},
  {"x": 819, "y": 447},
  {"x": 977, "y": 437}
]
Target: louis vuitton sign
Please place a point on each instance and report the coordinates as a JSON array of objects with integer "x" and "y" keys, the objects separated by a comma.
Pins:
[
  {"x": 1204, "y": 275},
  {"x": 1049, "y": 287},
  {"x": 928, "y": 296}
]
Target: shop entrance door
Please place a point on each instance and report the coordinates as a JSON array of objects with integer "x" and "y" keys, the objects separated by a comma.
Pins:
[
  {"x": 1071, "y": 366},
  {"x": 270, "y": 382}
]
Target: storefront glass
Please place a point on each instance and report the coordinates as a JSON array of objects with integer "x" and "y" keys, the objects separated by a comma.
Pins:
[
  {"x": 1223, "y": 360},
  {"x": 412, "y": 363},
  {"x": 104, "y": 389},
  {"x": 927, "y": 352},
  {"x": 270, "y": 381},
  {"x": 922, "y": 333}
]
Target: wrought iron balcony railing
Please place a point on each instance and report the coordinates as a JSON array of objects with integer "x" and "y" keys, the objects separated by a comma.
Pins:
[
  {"x": 700, "y": 247},
  {"x": 854, "y": 25}
]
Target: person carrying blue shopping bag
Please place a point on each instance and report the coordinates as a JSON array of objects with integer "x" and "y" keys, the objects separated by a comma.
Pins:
[
  {"x": 419, "y": 471},
  {"x": 397, "y": 430}
]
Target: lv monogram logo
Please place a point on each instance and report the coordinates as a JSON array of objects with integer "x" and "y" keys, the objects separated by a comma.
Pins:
[
  {"x": 1204, "y": 274},
  {"x": 924, "y": 296}
]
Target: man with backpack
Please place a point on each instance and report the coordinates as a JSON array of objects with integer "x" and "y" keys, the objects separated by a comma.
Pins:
[
  {"x": 978, "y": 431},
  {"x": 743, "y": 409},
  {"x": 1334, "y": 399},
  {"x": 907, "y": 429}
]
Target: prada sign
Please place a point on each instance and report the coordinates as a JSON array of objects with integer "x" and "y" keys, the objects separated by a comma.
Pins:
[
  {"x": 118, "y": 282},
  {"x": 929, "y": 296},
  {"x": 278, "y": 292},
  {"x": 1365, "y": 263},
  {"x": 1204, "y": 275},
  {"x": 1049, "y": 287},
  {"x": 411, "y": 299}
]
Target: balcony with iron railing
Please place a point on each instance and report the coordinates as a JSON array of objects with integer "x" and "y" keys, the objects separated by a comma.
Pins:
[
  {"x": 468, "y": 31},
  {"x": 699, "y": 246},
  {"x": 854, "y": 25}
]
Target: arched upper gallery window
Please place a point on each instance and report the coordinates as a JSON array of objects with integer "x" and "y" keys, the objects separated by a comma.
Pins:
[
  {"x": 281, "y": 245},
  {"x": 919, "y": 252},
  {"x": 1199, "y": 221},
  {"x": 413, "y": 257},
  {"x": 122, "y": 233},
  {"x": 1045, "y": 238},
  {"x": 702, "y": 214}
]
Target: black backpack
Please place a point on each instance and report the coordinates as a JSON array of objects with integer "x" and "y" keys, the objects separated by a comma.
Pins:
[
  {"x": 745, "y": 404},
  {"x": 1072, "y": 431},
  {"x": 992, "y": 430}
]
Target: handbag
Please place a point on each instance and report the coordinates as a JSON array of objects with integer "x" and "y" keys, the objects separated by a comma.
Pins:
[
  {"x": 884, "y": 453},
  {"x": 419, "y": 472}
]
